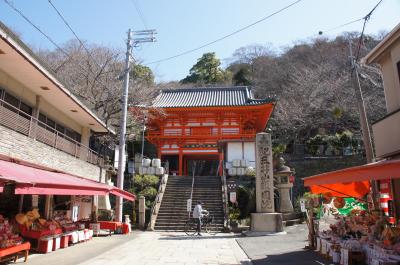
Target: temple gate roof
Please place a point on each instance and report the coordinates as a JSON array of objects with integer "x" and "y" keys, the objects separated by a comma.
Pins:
[{"x": 208, "y": 97}]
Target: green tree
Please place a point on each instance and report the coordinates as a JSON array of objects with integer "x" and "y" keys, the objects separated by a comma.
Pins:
[
  {"x": 207, "y": 70},
  {"x": 142, "y": 74},
  {"x": 242, "y": 77}
]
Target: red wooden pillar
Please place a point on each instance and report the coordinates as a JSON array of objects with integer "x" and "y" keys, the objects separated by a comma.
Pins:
[
  {"x": 185, "y": 166},
  {"x": 159, "y": 152},
  {"x": 221, "y": 164}
]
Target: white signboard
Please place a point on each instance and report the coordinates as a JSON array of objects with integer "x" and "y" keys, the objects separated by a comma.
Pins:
[
  {"x": 75, "y": 213},
  {"x": 303, "y": 205},
  {"x": 35, "y": 201},
  {"x": 232, "y": 197},
  {"x": 189, "y": 205}
]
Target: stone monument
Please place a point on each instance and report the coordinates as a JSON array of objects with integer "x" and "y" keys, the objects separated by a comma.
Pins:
[{"x": 265, "y": 219}]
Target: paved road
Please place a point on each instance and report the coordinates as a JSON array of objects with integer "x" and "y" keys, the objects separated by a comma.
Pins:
[
  {"x": 160, "y": 248},
  {"x": 80, "y": 252},
  {"x": 175, "y": 249},
  {"x": 281, "y": 249}
]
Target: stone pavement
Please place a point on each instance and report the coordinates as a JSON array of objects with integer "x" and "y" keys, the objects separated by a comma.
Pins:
[
  {"x": 80, "y": 252},
  {"x": 175, "y": 249},
  {"x": 281, "y": 249}
]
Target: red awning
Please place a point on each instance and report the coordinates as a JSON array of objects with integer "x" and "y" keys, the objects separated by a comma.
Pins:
[
  {"x": 30, "y": 180},
  {"x": 352, "y": 189},
  {"x": 353, "y": 180}
]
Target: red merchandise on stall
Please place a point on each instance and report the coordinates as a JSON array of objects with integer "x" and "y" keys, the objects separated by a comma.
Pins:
[
  {"x": 38, "y": 234},
  {"x": 15, "y": 251},
  {"x": 125, "y": 229},
  {"x": 45, "y": 245},
  {"x": 110, "y": 225},
  {"x": 64, "y": 241}
]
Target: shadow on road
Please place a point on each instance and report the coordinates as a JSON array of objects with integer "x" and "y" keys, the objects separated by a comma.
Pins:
[
  {"x": 204, "y": 236},
  {"x": 302, "y": 257}
]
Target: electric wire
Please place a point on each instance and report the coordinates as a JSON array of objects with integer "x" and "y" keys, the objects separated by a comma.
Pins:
[
  {"x": 366, "y": 19},
  {"x": 11, "y": 5},
  {"x": 139, "y": 11},
  {"x": 343, "y": 25},
  {"x": 225, "y": 36},
  {"x": 73, "y": 32},
  {"x": 50, "y": 39}
]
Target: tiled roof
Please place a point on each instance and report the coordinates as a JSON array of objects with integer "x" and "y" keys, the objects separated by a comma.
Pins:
[{"x": 208, "y": 97}]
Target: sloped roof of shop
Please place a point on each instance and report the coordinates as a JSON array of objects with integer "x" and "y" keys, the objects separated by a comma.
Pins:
[
  {"x": 208, "y": 97},
  {"x": 20, "y": 62}
]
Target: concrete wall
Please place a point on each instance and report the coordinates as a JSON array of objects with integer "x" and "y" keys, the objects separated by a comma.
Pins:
[
  {"x": 391, "y": 77},
  {"x": 19, "y": 146}
]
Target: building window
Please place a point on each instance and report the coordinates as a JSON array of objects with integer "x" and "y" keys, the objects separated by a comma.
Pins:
[
  {"x": 398, "y": 70},
  {"x": 15, "y": 104},
  {"x": 63, "y": 131}
]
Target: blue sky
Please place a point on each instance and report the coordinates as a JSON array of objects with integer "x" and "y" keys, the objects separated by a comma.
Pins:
[{"x": 186, "y": 24}]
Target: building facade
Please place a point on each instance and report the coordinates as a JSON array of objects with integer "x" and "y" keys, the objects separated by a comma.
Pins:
[
  {"x": 386, "y": 131},
  {"x": 206, "y": 129},
  {"x": 42, "y": 124}
]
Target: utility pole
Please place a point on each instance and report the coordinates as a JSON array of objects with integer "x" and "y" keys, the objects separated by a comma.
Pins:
[
  {"x": 366, "y": 134},
  {"x": 144, "y": 36}
]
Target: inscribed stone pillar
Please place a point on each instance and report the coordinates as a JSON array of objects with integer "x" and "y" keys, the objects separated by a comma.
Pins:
[
  {"x": 142, "y": 212},
  {"x": 265, "y": 220},
  {"x": 264, "y": 174}
]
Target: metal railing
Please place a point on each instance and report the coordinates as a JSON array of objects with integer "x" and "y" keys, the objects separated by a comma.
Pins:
[
  {"x": 22, "y": 122},
  {"x": 224, "y": 196},
  {"x": 191, "y": 192}
]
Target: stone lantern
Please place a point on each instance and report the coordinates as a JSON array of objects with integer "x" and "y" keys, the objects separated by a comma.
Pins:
[{"x": 283, "y": 184}]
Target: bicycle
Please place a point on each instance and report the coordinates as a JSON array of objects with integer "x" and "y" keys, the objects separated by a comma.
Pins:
[{"x": 207, "y": 224}]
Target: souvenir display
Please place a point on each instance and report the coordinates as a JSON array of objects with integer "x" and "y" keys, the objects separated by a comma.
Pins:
[{"x": 7, "y": 237}]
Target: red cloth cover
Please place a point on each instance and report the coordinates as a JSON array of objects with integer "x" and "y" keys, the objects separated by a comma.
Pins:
[
  {"x": 15, "y": 249},
  {"x": 110, "y": 225}
]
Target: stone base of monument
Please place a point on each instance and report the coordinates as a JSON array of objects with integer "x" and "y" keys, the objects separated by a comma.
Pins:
[{"x": 266, "y": 223}]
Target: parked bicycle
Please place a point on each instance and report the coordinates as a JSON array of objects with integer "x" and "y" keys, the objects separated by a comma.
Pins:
[{"x": 207, "y": 224}]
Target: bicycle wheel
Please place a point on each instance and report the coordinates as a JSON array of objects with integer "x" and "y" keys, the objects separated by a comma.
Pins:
[
  {"x": 210, "y": 226},
  {"x": 190, "y": 227}
]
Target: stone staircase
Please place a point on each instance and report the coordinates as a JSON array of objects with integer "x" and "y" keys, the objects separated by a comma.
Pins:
[{"x": 173, "y": 215}]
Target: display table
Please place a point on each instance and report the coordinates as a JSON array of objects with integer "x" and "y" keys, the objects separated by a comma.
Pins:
[
  {"x": 15, "y": 251},
  {"x": 38, "y": 234},
  {"x": 110, "y": 225}
]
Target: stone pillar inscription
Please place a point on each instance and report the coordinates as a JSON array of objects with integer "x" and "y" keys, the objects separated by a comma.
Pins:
[{"x": 264, "y": 174}]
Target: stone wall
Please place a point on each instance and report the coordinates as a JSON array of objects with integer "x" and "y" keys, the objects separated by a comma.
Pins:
[
  {"x": 19, "y": 146},
  {"x": 306, "y": 167}
]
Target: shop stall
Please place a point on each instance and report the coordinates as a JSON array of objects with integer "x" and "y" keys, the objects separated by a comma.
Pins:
[
  {"x": 59, "y": 223},
  {"x": 359, "y": 233}
]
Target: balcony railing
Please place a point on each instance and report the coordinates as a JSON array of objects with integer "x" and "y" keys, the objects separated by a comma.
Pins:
[
  {"x": 28, "y": 125},
  {"x": 202, "y": 132}
]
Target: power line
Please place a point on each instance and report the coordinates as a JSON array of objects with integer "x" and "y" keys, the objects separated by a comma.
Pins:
[
  {"x": 10, "y": 4},
  {"x": 139, "y": 11},
  {"x": 50, "y": 39},
  {"x": 366, "y": 19},
  {"x": 342, "y": 25},
  {"x": 70, "y": 28},
  {"x": 226, "y": 36}
]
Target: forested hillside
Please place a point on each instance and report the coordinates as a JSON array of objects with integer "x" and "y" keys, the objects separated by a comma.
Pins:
[{"x": 311, "y": 81}]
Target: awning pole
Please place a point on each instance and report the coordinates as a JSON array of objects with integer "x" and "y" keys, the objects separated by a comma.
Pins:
[{"x": 21, "y": 202}]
